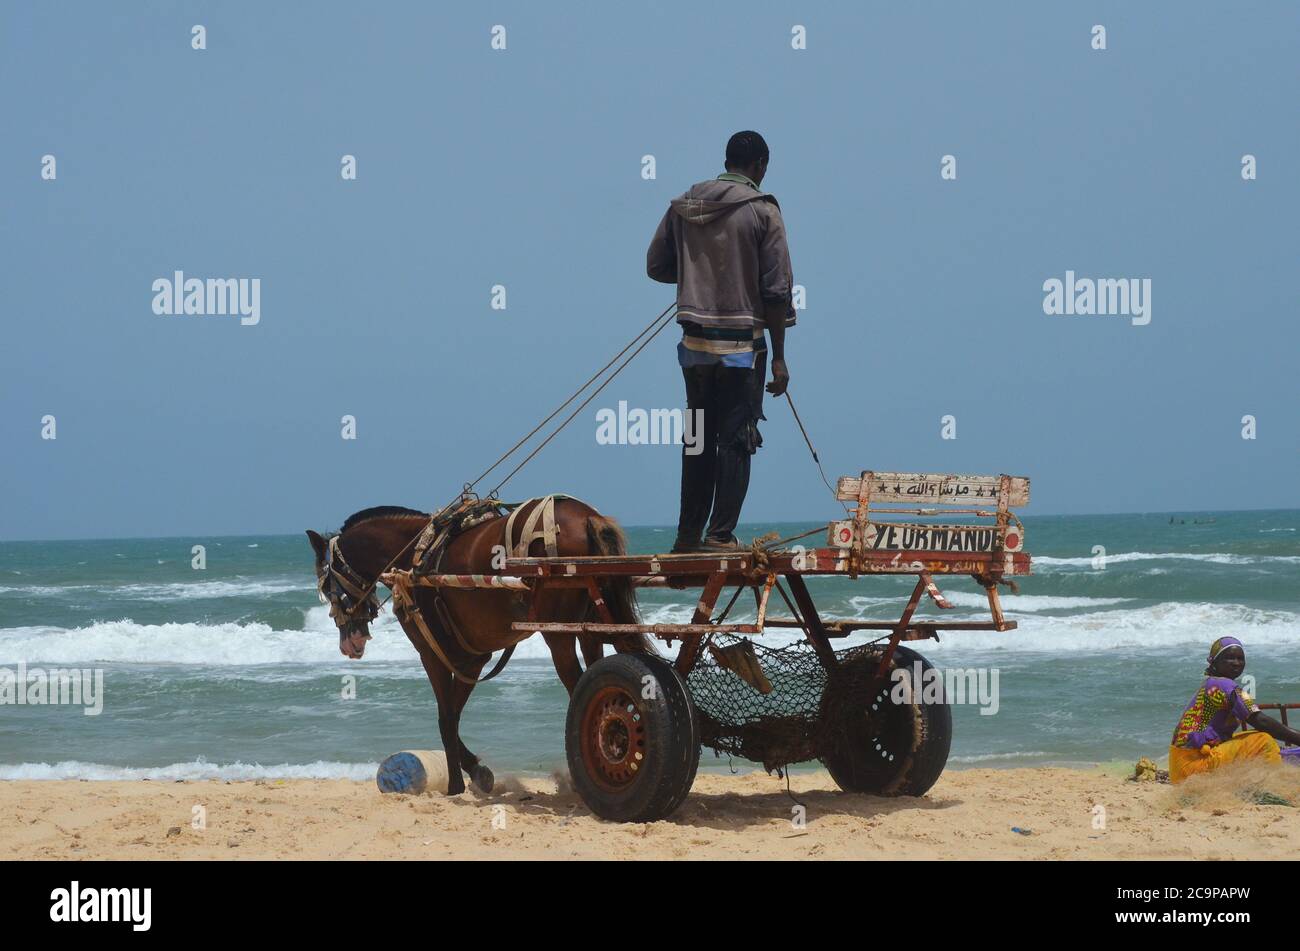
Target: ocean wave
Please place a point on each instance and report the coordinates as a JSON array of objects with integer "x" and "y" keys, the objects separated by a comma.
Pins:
[
  {"x": 861, "y": 606},
  {"x": 45, "y": 590},
  {"x": 1164, "y": 625},
  {"x": 994, "y": 757},
  {"x": 194, "y": 591},
  {"x": 233, "y": 644},
  {"x": 1031, "y": 602},
  {"x": 227, "y": 644},
  {"x": 177, "y": 591},
  {"x": 196, "y": 770},
  {"x": 1154, "y": 627},
  {"x": 1216, "y": 558},
  {"x": 1167, "y": 624},
  {"x": 672, "y": 613}
]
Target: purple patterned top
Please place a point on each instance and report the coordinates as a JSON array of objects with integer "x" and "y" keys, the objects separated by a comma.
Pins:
[{"x": 1214, "y": 714}]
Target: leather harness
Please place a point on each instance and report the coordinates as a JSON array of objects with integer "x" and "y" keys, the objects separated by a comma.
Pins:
[
  {"x": 354, "y": 595},
  {"x": 431, "y": 548}
]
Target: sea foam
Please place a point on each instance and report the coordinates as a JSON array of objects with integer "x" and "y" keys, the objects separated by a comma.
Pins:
[
  {"x": 195, "y": 770},
  {"x": 232, "y": 644},
  {"x": 1216, "y": 558}
]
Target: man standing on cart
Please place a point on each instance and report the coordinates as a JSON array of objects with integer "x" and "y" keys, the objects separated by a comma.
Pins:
[{"x": 723, "y": 244}]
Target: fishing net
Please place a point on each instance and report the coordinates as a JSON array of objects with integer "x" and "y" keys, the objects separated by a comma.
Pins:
[{"x": 797, "y": 719}]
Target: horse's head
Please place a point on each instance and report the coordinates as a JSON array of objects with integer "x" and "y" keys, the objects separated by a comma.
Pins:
[{"x": 352, "y": 600}]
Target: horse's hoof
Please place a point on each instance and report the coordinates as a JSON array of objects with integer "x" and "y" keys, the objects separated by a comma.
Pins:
[{"x": 482, "y": 779}]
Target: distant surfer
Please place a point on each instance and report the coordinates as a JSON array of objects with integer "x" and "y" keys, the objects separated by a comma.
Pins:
[
  {"x": 723, "y": 244},
  {"x": 1206, "y": 736}
]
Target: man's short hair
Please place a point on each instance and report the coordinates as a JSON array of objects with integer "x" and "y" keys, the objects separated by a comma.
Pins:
[{"x": 744, "y": 149}]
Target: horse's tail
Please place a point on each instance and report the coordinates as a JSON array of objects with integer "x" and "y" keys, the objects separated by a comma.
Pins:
[{"x": 607, "y": 538}]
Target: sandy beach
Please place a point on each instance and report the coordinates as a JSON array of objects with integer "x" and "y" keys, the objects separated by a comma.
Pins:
[{"x": 969, "y": 814}]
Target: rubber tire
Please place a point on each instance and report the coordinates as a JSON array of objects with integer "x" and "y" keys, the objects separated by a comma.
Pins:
[
  {"x": 672, "y": 739},
  {"x": 856, "y": 766}
]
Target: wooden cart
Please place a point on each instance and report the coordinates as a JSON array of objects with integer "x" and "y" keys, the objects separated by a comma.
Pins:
[{"x": 636, "y": 722}]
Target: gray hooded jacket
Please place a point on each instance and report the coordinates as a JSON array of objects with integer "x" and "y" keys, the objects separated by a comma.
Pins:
[{"x": 723, "y": 244}]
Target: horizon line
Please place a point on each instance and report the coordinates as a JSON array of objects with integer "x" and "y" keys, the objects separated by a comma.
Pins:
[{"x": 627, "y": 525}]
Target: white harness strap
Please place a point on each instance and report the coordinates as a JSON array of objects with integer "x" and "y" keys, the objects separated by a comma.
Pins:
[{"x": 543, "y": 512}]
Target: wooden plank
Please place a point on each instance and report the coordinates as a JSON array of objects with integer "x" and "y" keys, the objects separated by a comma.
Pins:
[
  {"x": 906, "y": 628},
  {"x": 566, "y": 572},
  {"x": 816, "y": 630},
  {"x": 598, "y": 598},
  {"x": 918, "y": 488},
  {"x": 911, "y": 537},
  {"x": 900, "y": 632},
  {"x": 843, "y": 628},
  {"x": 944, "y": 563},
  {"x": 661, "y": 565},
  {"x": 674, "y": 631},
  {"x": 689, "y": 652}
]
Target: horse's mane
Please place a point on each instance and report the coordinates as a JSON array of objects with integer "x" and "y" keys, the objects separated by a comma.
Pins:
[{"x": 378, "y": 511}]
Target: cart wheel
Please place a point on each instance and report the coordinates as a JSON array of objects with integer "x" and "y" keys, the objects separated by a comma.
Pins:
[
  {"x": 879, "y": 746},
  {"x": 632, "y": 751}
]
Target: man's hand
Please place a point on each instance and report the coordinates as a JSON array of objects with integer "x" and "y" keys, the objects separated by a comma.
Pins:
[{"x": 780, "y": 378}]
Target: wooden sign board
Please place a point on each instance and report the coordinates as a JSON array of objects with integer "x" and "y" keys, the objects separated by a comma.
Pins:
[
  {"x": 922, "y": 488},
  {"x": 907, "y": 537}
]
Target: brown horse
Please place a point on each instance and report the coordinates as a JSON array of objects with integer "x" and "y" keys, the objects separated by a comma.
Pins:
[{"x": 373, "y": 537}]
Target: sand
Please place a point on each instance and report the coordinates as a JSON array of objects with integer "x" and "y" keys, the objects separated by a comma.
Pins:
[{"x": 969, "y": 814}]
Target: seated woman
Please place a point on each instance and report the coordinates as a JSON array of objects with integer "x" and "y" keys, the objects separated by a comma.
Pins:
[{"x": 1204, "y": 738}]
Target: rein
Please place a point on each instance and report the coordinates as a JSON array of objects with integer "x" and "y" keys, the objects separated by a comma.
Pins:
[
  {"x": 442, "y": 524},
  {"x": 468, "y": 498},
  {"x": 356, "y": 595}
]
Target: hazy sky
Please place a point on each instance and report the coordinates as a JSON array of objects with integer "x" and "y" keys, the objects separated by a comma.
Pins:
[{"x": 523, "y": 168}]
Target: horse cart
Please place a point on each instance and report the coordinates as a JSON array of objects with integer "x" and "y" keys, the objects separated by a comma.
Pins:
[{"x": 637, "y": 721}]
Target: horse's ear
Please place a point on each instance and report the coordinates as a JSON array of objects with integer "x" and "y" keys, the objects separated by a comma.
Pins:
[{"x": 318, "y": 543}]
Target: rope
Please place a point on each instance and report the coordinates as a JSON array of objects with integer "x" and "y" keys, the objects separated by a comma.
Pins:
[
  {"x": 652, "y": 329},
  {"x": 796, "y": 799},
  {"x": 663, "y": 320},
  {"x": 389, "y": 567},
  {"x": 727, "y": 610},
  {"x": 758, "y": 550},
  {"x": 799, "y": 421},
  {"x": 559, "y": 409},
  {"x": 794, "y": 538}
]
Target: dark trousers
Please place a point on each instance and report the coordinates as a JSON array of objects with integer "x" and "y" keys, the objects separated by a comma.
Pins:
[{"x": 716, "y": 479}]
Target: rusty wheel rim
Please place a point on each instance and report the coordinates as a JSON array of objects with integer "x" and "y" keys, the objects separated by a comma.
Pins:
[{"x": 613, "y": 739}]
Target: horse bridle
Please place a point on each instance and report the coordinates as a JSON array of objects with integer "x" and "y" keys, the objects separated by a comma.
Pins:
[{"x": 350, "y": 597}]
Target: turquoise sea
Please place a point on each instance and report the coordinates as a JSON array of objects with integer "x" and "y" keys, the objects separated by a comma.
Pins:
[{"x": 234, "y": 671}]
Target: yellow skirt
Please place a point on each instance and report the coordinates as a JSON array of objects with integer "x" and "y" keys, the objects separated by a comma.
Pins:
[{"x": 1251, "y": 744}]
